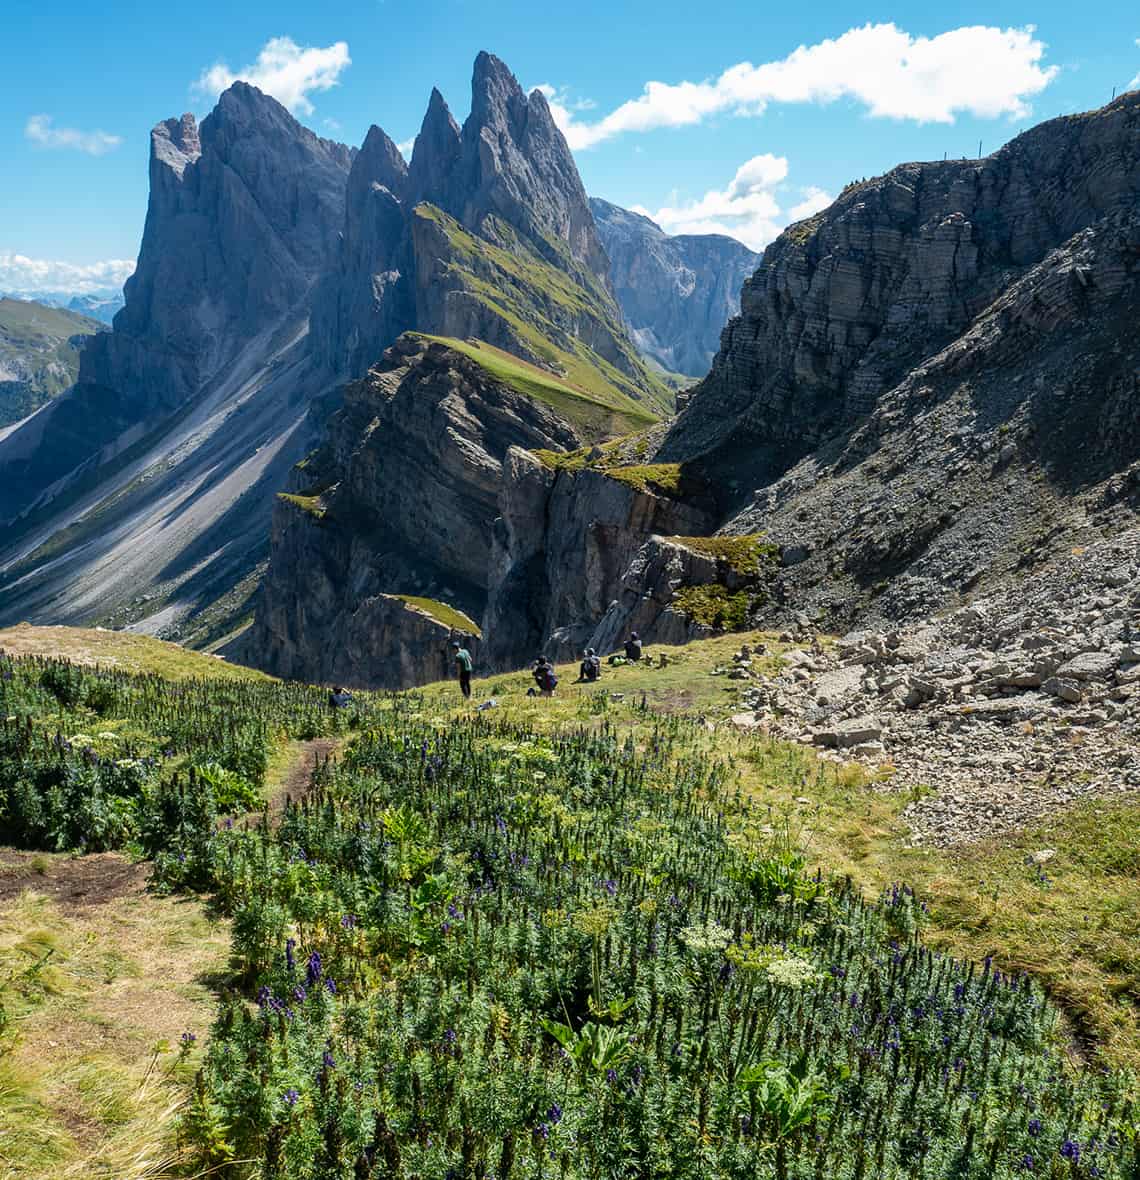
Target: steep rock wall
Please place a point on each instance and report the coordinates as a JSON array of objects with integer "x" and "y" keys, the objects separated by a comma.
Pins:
[
  {"x": 562, "y": 544},
  {"x": 401, "y": 499}
]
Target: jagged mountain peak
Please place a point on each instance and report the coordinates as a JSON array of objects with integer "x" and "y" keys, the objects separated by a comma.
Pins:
[
  {"x": 436, "y": 149},
  {"x": 495, "y": 92},
  {"x": 379, "y": 162}
]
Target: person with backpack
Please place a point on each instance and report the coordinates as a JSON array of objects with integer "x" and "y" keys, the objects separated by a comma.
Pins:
[
  {"x": 462, "y": 658},
  {"x": 633, "y": 647},
  {"x": 591, "y": 667},
  {"x": 545, "y": 677}
]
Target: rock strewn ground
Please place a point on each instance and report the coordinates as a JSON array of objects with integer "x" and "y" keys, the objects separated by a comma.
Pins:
[{"x": 993, "y": 715}]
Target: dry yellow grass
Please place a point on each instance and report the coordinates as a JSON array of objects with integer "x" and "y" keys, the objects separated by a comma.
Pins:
[
  {"x": 99, "y": 996},
  {"x": 120, "y": 649}
]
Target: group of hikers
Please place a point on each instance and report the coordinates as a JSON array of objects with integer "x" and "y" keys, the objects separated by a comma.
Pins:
[{"x": 542, "y": 670}]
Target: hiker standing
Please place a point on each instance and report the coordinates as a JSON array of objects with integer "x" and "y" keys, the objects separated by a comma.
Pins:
[
  {"x": 462, "y": 658},
  {"x": 633, "y": 647},
  {"x": 340, "y": 698}
]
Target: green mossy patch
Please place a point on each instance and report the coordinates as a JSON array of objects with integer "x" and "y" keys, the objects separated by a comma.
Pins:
[
  {"x": 713, "y": 605},
  {"x": 311, "y": 505},
  {"x": 746, "y": 555},
  {"x": 446, "y": 616},
  {"x": 656, "y": 478}
]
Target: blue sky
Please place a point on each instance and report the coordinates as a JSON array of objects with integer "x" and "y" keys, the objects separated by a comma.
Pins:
[{"x": 753, "y": 113}]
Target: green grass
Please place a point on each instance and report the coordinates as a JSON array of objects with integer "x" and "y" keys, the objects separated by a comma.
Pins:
[
  {"x": 311, "y": 505},
  {"x": 713, "y": 606},
  {"x": 1079, "y": 932},
  {"x": 447, "y": 616},
  {"x": 744, "y": 555},
  {"x": 123, "y": 650},
  {"x": 594, "y": 419},
  {"x": 662, "y": 478}
]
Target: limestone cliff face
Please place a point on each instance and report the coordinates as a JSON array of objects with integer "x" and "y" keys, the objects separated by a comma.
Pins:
[
  {"x": 1018, "y": 440},
  {"x": 845, "y": 304},
  {"x": 562, "y": 544},
  {"x": 400, "y": 500},
  {"x": 676, "y": 293},
  {"x": 243, "y": 212}
]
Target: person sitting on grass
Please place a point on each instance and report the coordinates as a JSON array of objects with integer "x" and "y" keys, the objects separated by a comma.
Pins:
[
  {"x": 633, "y": 647},
  {"x": 591, "y": 667},
  {"x": 545, "y": 677}
]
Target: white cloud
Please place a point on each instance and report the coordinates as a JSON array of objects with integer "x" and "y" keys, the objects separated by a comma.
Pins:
[
  {"x": 979, "y": 70},
  {"x": 815, "y": 200},
  {"x": 747, "y": 209},
  {"x": 29, "y": 275},
  {"x": 39, "y": 130},
  {"x": 285, "y": 70},
  {"x": 407, "y": 147}
]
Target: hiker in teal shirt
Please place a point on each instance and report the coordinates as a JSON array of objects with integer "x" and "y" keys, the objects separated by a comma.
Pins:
[{"x": 462, "y": 658}]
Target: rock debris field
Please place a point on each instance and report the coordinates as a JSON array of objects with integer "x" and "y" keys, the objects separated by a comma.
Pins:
[{"x": 993, "y": 715}]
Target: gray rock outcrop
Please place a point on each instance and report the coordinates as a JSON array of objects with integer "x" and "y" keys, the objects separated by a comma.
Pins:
[
  {"x": 675, "y": 292},
  {"x": 562, "y": 546},
  {"x": 845, "y": 304},
  {"x": 400, "y": 499}
]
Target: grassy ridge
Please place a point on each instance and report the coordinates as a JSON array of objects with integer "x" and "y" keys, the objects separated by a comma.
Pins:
[
  {"x": 447, "y": 616},
  {"x": 594, "y": 417},
  {"x": 536, "y": 300},
  {"x": 122, "y": 650}
]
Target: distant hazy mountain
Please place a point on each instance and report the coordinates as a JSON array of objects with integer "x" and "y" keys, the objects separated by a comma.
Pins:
[
  {"x": 39, "y": 354},
  {"x": 676, "y": 293},
  {"x": 99, "y": 305}
]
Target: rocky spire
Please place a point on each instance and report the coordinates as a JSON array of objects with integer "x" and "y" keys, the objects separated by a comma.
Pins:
[
  {"x": 435, "y": 154},
  {"x": 243, "y": 213},
  {"x": 516, "y": 165},
  {"x": 363, "y": 302}
]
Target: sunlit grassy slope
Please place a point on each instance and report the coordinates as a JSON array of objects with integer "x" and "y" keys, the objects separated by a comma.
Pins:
[
  {"x": 1079, "y": 933},
  {"x": 120, "y": 649},
  {"x": 534, "y": 300},
  {"x": 591, "y": 412}
]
